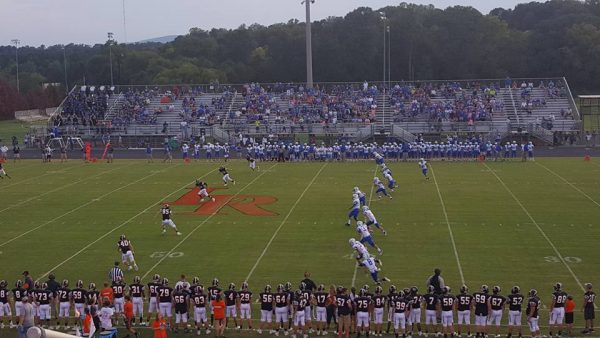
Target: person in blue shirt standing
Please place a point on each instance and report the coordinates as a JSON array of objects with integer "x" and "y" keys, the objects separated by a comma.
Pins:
[
  {"x": 168, "y": 155},
  {"x": 149, "y": 153}
]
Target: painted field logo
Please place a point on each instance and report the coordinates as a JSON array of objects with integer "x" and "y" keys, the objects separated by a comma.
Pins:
[{"x": 250, "y": 205}]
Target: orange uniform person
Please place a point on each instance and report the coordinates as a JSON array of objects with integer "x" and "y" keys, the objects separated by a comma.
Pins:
[
  {"x": 159, "y": 326},
  {"x": 128, "y": 312},
  {"x": 107, "y": 293},
  {"x": 569, "y": 311},
  {"x": 218, "y": 306}
]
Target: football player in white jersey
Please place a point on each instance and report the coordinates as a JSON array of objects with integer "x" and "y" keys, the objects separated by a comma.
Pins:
[
  {"x": 361, "y": 196},
  {"x": 371, "y": 220},
  {"x": 365, "y": 236},
  {"x": 423, "y": 166}
]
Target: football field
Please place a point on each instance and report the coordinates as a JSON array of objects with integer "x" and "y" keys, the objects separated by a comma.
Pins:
[{"x": 508, "y": 223}]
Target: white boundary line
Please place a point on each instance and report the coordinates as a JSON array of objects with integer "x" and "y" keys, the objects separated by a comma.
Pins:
[
  {"x": 78, "y": 208},
  {"x": 205, "y": 220},
  {"x": 119, "y": 226},
  {"x": 460, "y": 270},
  {"x": 569, "y": 183},
  {"x": 42, "y": 175},
  {"x": 283, "y": 222},
  {"x": 370, "y": 199},
  {"x": 64, "y": 186},
  {"x": 556, "y": 252}
]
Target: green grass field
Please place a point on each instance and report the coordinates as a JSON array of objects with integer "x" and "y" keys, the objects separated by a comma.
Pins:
[
  {"x": 17, "y": 128},
  {"x": 529, "y": 224}
]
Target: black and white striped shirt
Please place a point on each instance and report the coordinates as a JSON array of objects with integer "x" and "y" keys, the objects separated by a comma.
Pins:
[{"x": 114, "y": 273}]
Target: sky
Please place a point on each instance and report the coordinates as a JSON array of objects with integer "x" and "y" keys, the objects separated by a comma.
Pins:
[{"x": 49, "y": 22}]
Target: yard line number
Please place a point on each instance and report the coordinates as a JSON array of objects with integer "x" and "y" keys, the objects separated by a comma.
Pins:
[
  {"x": 161, "y": 254},
  {"x": 570, "y": 259}
]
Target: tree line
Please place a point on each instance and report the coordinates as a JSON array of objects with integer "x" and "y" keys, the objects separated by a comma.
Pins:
[{"x": 551, "y": 39}]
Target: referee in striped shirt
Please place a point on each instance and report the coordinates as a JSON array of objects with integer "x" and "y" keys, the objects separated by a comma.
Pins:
[{"x": 115, "y": 272}]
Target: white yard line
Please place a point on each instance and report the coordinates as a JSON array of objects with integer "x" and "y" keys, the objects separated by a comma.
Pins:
[
  {"x": 63, "y": 187},
  {"x": 96, "y": 199},
  {"x": 558, "y": 254},
  {"x": 370, "y": 199},
  {"x": 460, "y": 270},
  {"x": 153, "y": 205},
  {"x": 283, "y": 222},
  {"x": 52, "y": 172},
  {"x": 205, "y": 221},
  {"x": 569, "y": 183}
]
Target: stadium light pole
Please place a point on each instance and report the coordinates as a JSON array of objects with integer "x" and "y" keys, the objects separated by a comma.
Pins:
[
  {"x": 309, "y": 70},
  {"x": 384, "y": 19},
  {"x": 110, "y": 42},
  {"x": 17, "y": 42},
  {"x": 389, "y": 57},
  {"x": 65, "y": 66}
]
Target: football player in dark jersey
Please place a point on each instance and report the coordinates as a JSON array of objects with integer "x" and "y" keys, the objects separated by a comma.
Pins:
[
  {"x": 63, "y": 295},
  {"x": 213, "y": 291},
  {"x": 308, "y": 296},
  {"x": 136, "y": 291},
  {"x": 226, "y": 177},
  {"x": 402, "y": 307},
  {"x": 464, "y": 308},
  {"x": 164, "y": 295},
  {"x": 166, "y": 220},
  {"x": 415, "y": 311},
  {"x": 321, "y": 311},
  {"x": 5, "y": 310},
  {"x": 344, "y": 307},
  {"x": 231, "y": 305},
  {"x": 391, "y": 297},
  {"x": 480, "y": 300},
  {"x": 79, "y": 301},
  {"x": 266, "y": 310},
  {"x": 364, "y": 306},
  {"x": 448, "y": 307},
  {"x": 93, "y": 295},
  {"x": 515, "y": 302},
  {"x": 496, "y": 306},
  {"x": 203, "y": 191},
  {"x": 152, "y": 296},
  {"x": 118, "y": 288},
  {"x": 379, "y": 302},
  {"x": 181, "y": 305},
  {"x": 281, "y": 309},
  {"x": 44, "y": 298},
  {"x": 290, "y": 294},
  {"x": 589, "y": 297},
  {"x": 251, "y": 163},
  {"x": 299, "y": 313},
  {"x": 557, "y": 312},
  {"x": 532, "y": 312},
  {"x": 126, "y": 248},
  {"x": 200, "y": 300},
  {"x": 432, "y": 303},
  {"x": 245, "y": 299}
]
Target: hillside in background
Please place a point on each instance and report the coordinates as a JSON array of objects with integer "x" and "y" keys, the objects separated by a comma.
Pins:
[{"x": 556, "y": 38}]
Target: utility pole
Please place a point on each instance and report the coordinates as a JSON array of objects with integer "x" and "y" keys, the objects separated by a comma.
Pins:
[
  {"x": 309, "y": 70},
  {"x": 384, "y": 19},
  {"x": 65, "y": 65},
  {"x": 110, "y": 42},
  {"x": 17, "y": 42}
]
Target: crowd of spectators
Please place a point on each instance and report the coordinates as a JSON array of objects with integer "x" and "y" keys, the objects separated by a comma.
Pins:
[
  {"x": 133, "y": 108},
  {"x": 84, "y": 107},
  {"x": 442, "y": 102}
]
